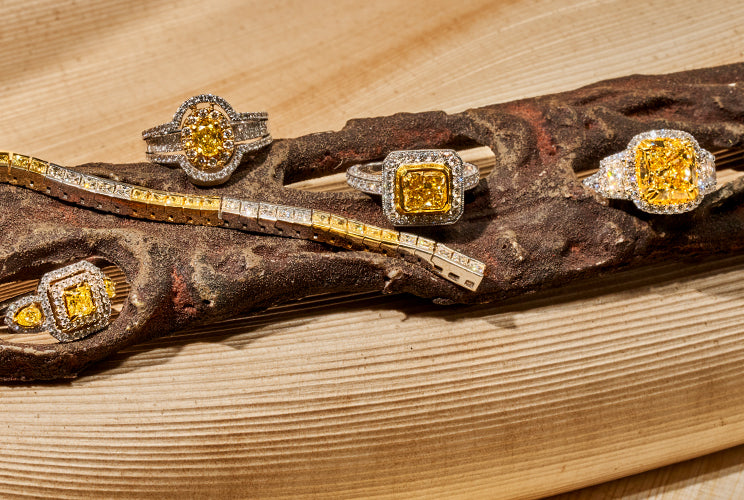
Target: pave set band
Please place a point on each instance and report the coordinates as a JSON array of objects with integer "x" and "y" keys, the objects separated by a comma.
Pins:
[{"x": 367, "y": 177}]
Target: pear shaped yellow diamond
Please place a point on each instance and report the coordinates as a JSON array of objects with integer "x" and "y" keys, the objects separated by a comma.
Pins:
[
  {"x": 29, "y": 316},
  {"x": 110, "y": 287}
]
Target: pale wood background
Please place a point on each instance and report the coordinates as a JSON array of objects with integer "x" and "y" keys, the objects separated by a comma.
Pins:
[{"x": 369, "y": 395}]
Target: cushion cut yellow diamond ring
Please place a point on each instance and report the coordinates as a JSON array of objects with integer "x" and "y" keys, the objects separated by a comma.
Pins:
[
  {"x": 661, "y": 171},
  {"x": 207, "y": 139},
  {"x": 70, "y": 303},
  {"x": 418, "y": 188}
]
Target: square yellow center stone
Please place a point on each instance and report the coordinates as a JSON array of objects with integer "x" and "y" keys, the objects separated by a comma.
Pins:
[
  {"x": 666, "y": 171},
  {"x": 79, "y": 301},
  {"x": 423, "y": 188}
]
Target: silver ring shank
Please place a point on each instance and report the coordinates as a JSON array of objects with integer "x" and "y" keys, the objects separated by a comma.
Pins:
[
  {"x": 171, "y": 142},
  {"x": 367, "y": 177}
]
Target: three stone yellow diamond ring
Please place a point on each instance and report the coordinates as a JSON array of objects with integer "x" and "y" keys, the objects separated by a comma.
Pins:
[
  {"x": 207, "y": 138},
  {"x": 419, "y": 187},
  {"x": 661, "y": 171},
  {"x": 70, "y": 303}
]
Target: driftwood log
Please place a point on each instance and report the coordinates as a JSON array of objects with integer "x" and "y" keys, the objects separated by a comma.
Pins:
[{"x": 530, "y": 220}]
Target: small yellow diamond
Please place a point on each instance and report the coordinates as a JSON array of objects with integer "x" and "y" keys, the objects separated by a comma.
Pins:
[
  {"x": 29, "y": 316},
  {"x": 206, "y": 139},
  {"x": 79, "y": 301},
  {"x": 21, "y": 161},
  {"x": 4, "y": 159},
  {"x": 423, "y": 188},
  {"x": 174, "y": 200},
  {"x": 666, "y": 171},
  {"x": 38, "y": 166},
  {"x": 110, "y": 287}
]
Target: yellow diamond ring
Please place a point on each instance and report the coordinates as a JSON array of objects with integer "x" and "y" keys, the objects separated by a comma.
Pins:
[
  {"x": 70, "y": 303},
  {"x": 207, "y": 139},
  {"x": 661, "y": 171},
  {"x": 418, "y": 188}
]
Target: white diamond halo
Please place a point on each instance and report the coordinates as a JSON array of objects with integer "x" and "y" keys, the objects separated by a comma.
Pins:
[{"x": 616, "y": 177}]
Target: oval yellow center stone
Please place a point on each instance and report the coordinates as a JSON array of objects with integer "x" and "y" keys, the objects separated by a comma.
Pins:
[
  {"x": 29, "y": 316},
  {"x": 207, "y": 137}
]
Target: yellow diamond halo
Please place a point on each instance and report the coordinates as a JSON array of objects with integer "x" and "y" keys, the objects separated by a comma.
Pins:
[
  {"x": 423, "y": 189},
  {"x": 207, "y": 137},
  {"x": 666, "y": 171}
]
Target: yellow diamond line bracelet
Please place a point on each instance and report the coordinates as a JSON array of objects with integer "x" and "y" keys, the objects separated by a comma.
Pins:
[{"x": 260, "y": 217}]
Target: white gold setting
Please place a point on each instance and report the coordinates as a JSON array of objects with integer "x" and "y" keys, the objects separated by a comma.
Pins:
[
  {"x": 240, "y": 134},
  {"x": 380, "y": 178},
  {"x": 50, "y": 299},
  {"x": 617, "y": 178}
]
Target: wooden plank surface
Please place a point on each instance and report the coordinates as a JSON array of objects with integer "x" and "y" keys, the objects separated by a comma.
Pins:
[{"x": 370, "y": 395}]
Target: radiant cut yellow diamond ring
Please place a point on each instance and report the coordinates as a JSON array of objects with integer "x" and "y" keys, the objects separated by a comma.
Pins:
[
  {"x": 418, "y": 188},
  {"x": 70, "y": 303},
  {"x": 661, "y": 171},
  {"x": 207, "y": 139}
]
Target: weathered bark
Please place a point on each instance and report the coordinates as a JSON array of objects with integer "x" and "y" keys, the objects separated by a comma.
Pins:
[{"x": 530, "y": 220}]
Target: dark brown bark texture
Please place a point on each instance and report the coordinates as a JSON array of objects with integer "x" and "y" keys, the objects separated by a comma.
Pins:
[{"x": 530, "y": 220}]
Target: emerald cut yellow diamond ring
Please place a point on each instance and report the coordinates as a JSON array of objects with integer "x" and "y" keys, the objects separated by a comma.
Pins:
[
  {"x": 207, "y": 139},
  {"x": 661, "y": 171},
  {"x": 418, "y": 188},
  {"x": 70, "y": 303}
]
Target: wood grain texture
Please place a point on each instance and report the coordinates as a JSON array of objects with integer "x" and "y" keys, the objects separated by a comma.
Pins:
[{"x": 374, "y": 396}]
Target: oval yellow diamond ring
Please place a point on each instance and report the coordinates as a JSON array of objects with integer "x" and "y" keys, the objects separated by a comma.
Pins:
[
  {"x": 70, "y": 303},
  {"x": 207, "y": 139},
  {"x": 661, "y": 171},
  {"x": 419, "y": 187}
]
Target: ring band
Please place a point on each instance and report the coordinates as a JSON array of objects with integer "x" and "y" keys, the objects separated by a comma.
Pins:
[
  {"x": 418, "y": 187},
  {"x": 367, "y": 177},
  {"x": 207, "y": 139},
  {"x": 70, "y": 303},
  {"x": 661, "y": 171}
]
